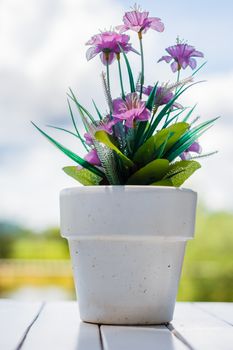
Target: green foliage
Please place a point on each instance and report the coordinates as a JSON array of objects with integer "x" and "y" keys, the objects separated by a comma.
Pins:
[
  {"x": 70, "y": 154},
  {"x": 107, "y": 140},
  {"x": 129, "y": 70},
  {"x": 84, "y": 176},
  {"x": 147, "y": 152},
  {"x": 177, "y": 173},
  {"x": 153, "y": 171}
]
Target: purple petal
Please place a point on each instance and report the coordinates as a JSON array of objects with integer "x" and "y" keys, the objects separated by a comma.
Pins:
[
  {"x": 197, "y": 54},
  {"x": 91, "y": 52},
  {"x": 118, "y": 105},
  {"x": 195, "y": 147},
  {"x": 88, "y": 138},
  {"x": 156, "y": 24},
  {"x": 165, "y": 58},
  {"x": 122, "y": 28},
  {"x": 192, "y": 63},
  {"x": 174, "y": 66},
  {"x": 185, "y": 156},
  {"x": 92, "y": 157},
  {"x": 111, "y": 58}
]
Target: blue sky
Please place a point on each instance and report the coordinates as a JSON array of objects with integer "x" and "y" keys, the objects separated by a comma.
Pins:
[{"x": 43, "y": 53}]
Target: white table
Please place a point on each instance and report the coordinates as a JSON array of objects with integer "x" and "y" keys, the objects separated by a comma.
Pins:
[{"x": 56, "y": 326}]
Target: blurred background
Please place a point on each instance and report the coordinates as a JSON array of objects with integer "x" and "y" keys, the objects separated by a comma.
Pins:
[{"x": 43, "y": 54}]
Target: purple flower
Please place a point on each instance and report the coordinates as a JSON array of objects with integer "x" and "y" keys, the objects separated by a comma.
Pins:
[
  {"x": 107, "y": 44},
  {"x": 182, "y": 54},
  {"x": 162, "y": 96},
  {"x": 92, "y": 157},
  {"x": 105, "y": 125},
  {"x": 140, "y": 22},
  {"x": 195, "y": 147},
  {"x": 130, "y": 109}
]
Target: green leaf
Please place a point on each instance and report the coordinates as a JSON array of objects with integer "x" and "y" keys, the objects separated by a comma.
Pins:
[
  {"x": 187, "y": 139},
  {"x": 151, "y": 98},
  {"x": 163, "y": 112},
  {"x": 130, "y": 74},
  {"x": 178, "y": 173},
  {"x": 80, "y": 107},
  {"x": 84, "y": 176},
  {"x": 153, "y": 171},
  {"x": 189, "y": 113},
  {"x": 106, "y": 139},
  {"x": 97, "y": 110},
  {"x": 147, "y": 152},
  {"x": 70, "y": 154}
]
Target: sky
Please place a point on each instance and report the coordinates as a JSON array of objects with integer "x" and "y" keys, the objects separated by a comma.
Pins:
[{"x": 43, "y": 54}]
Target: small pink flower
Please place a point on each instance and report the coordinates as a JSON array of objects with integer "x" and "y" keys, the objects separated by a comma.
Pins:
[
  {"x": 130, "y": 110},
  {"x": 107, "y": 44},
  {"x": 92, "y": 157},
  {"x": 162, "y": 96},
  {"x": 182, "y": 54},
  {"x": 139, "y": 22},
  {"x": 105, "y": 125},
  {"x": 195, "y": 147}
]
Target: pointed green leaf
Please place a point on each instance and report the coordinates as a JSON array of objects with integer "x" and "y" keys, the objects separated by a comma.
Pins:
[
  {"x": 70, "y": 154},
  {"x": 84, "y": 176},
  {"x": 153, "y": 171},
  {"x": 147, "y": 152},
  {"x": 130, "y": 74},
  {"x": 106, "y": 139},
  {"x": 178, "y": 173},
  {"x": 151, "y": 98},
  {"x": 97, "y": 110}
]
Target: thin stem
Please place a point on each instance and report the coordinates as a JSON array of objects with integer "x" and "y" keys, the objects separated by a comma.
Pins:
[
  {"x": 108, "y": 76},
  {"x": 178, "y": 78},
  {"x": 120, "y": 75},
  {"x": 142, "y": 63}
]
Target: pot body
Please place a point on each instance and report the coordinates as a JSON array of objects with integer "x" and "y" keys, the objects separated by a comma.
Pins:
[{"x": 127, "y": 246}]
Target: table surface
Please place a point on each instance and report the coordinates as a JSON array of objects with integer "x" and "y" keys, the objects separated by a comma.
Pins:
[{"x": 57, "y": 326}]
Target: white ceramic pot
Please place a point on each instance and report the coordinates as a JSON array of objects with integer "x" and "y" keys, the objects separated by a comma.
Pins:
[{"x": 127, "y": 245}]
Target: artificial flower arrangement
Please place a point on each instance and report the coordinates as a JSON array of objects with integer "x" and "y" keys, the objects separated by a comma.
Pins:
[{"x": 146, "y": 137}]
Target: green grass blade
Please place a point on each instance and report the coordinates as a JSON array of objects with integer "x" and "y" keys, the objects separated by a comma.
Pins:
[
  {"x": 73, "y": 98},
  {"x": 189, "y": 113},
  {"x": 71, "y": 133},
  {"x": 173, "y": 118},
  {"x": 97, "y": 110},
  {"x": 130, "y": 74},
  {"x": 197, "y": 70},
  {"x": 163, "y": 112},
  {"x": 151, "y": 98},
  {"x": 70, "y": 154}
]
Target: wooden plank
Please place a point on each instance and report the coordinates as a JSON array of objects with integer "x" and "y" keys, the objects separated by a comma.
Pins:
[
  {"x": 187, "y": 315},
  {"x": 223, "y": 311},
  {"x": 59, "y": 327},
  {"x": 200, "y": 329},
  {"x": 15, "y": 318},
  {"x": 138, "y": 338}
]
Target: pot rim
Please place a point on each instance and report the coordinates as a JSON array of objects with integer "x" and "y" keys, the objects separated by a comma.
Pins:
[{"x": 126, "y": 188}]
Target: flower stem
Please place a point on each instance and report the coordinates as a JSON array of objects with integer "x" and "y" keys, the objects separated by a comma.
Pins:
[
  {"x": 178, "y": 79},
  {"x": 142, "y": 63},
  {"x": 120, "y": 75},
  {"x": 108, "y": 76}
]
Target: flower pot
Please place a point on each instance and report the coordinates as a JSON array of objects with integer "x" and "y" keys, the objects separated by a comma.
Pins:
[{"x": 127, "y": 245}]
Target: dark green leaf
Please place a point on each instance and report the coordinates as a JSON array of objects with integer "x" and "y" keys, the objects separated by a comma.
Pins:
[
  {"x": 147, "y": 152},
  {"x": 151, "y": 98},
  {"x": 130, "y": 74},
  {"x": 153, "y": 171},
  {"x": 70, "y": 154}
]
